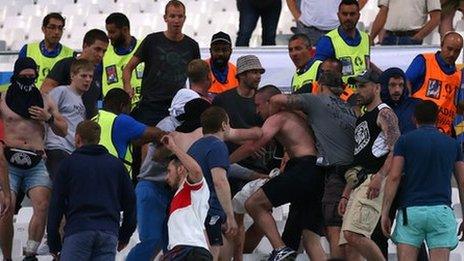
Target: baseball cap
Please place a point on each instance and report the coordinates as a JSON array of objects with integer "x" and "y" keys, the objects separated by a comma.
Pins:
[
  {"x": 365, "y": 77},
  {"x": 221, "y": 37}
]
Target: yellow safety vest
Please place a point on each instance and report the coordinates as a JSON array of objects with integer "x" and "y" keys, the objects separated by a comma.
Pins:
[
  {"x": 106, "y": 121},
  {"x": 44, "y": 63},
  {"x": 355, "y": 59},
  {"x": 113, "y": 65},
  {"x": 299, "y": 80}
]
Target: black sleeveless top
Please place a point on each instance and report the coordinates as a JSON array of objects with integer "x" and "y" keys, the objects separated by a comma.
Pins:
[{"x": 371, "y": 149}]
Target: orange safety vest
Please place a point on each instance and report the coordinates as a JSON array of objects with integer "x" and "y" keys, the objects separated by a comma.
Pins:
[
  {"x": 231, "y": 82},
  {"x": 441, "y": 89},
  {"x": 346, "y": 94}
]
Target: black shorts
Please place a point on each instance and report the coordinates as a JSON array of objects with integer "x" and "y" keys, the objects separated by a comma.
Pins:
[
  {"x": 187, "y": 253},
  {"x": 333, "y": 190},
  {"x": 213, "y": 226},
  {"x": 302, "y": 185}
]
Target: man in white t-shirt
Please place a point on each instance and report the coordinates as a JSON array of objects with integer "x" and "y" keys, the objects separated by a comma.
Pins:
[
  {"x": 188, "y": 208},
  {"x": 406, "y": 22},
  {"x": 316, "y": 18}
]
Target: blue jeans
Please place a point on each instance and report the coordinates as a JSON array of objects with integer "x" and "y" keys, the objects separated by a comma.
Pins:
[
  {"x": 152, "y": 203},
  {"x": 390, "y": 39},
  {"x": 90, "y": 245},
  {"x": 249, "y": 15}
]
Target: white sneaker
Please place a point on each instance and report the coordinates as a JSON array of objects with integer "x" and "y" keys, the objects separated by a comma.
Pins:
[{"x": 43, "y": 250}]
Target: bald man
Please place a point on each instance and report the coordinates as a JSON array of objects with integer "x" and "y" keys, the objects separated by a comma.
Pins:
[{"x": 433, "y": 76}]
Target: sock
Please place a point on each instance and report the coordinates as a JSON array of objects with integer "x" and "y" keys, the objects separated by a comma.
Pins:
[{"x": 31, "y": 247}]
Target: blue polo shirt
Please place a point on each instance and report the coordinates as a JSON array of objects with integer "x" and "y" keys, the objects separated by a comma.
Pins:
[
  {"x": 125, "y": 130},
  {"x": 428, "y": 166},
  {"x": 325, "y": 48},
  {"x": 45, "y": 52},
  {"x": 416, "y": 70}
]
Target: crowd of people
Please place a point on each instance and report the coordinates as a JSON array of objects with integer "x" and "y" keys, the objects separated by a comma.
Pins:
[{"x": 185, "y": 147}]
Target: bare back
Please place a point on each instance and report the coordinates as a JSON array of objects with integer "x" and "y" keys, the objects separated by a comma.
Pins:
[
  {"x": 292, "y": 132},
  {"x": 19, "y": 132},
  {"x": 185, "y": 140}
]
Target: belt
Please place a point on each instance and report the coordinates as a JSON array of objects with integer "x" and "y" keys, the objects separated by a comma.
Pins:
[
  {"x": 315, "y": 28},
  {"x": 403, "y": 33}
]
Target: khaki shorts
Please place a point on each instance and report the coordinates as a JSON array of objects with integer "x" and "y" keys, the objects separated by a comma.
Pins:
[{"x": 362, "y": 214}]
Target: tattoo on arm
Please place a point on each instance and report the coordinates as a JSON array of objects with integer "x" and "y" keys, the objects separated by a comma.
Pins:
[
  {"x": 294, "y": 102},
  {"x": 389, "y": 123}
]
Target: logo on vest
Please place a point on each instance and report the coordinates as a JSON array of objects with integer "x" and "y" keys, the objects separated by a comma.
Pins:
[
  {"x": 448, "y": 88},
  {"x": 358, "y": 61},
  {"x": 347, "y": 66},
  {"x": 433, "y": 89},
  {"x": 21, "y": 158},
  {"x": 111, "y": 74}
]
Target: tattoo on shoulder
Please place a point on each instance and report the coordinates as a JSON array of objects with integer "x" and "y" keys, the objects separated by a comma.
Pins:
[
  {"x": 389, "y": 124},
  {"x": 294, "y": 102}
]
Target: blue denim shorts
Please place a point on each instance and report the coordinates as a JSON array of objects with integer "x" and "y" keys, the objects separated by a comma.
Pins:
[
  {"x": 434, "y": 224},
  {"x": 25, "y": 179}
]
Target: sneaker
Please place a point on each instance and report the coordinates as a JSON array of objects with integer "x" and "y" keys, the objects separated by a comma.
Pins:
[
  {"x": 285, "y": 253},
  {"x": 43, "y": 250}
]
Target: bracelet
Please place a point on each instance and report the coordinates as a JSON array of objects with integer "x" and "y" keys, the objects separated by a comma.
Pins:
[{"x": 343, "y": 197}]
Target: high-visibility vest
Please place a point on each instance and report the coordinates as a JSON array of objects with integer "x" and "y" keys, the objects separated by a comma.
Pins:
[
  {"x": 113, "y": 65},
  {"x": 440, "y": 88},
  {"x": 44, "y": 63},
  {"x": 231, "y": 82},
  {"x": 346, "y": 94},
  {"x": 106, "y": 121},
  {"x": 355, "y": 59},
  {"x": 299, "y": 80}
]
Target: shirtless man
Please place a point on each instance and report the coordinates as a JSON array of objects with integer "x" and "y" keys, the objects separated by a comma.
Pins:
[
  {"x": 300, "y": 184},
  {"x": 26, "y": 113}
]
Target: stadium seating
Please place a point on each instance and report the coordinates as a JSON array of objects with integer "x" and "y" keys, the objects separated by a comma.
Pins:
[{"x": 209, "y": 15}]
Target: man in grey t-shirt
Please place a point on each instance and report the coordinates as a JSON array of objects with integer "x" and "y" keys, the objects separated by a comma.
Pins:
[
  {"x": 332, "y": 121},
  {"x": 69, "y": 102}
]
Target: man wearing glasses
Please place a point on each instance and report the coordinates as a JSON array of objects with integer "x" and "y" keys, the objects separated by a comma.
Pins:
[{"x": 48, "y": 51}]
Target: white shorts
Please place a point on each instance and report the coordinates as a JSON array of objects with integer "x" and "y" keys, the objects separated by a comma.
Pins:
[{"x": 238, "y": 202}]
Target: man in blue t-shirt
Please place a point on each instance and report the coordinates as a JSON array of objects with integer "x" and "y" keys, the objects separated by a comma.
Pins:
[
  {"x": 119, "y": 129},
  {"x": 425, "y": 211},
  {"x": 213, "y": 157}
]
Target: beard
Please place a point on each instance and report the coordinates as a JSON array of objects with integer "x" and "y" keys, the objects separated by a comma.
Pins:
[
  {"x": 220, "y": 63},
  {"x": 118, "y": 41}
]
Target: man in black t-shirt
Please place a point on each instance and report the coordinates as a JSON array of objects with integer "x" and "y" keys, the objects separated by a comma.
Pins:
[
  {"x": 239, "y": 102},
  {"x": 93, "y": 49},
  {"x": 166, "y": 55}
]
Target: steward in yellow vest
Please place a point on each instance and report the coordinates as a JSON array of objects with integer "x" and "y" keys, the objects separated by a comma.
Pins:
[
  {"x": 119, "y": 130},
  {"x": 48, "y": 51},
  {"x": 118, "y": 54},
  {"x": 346, "y": 43},
  {"x": 300, "y": 51}
]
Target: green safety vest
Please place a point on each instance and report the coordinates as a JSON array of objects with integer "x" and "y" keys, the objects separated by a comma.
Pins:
[
  {"x": 355, "y": 59},
  {"x": 299, "y": 80},
  {"x": 44, "y": 63},
  {"x": 113, "y": 65},
  {"x": 106, "y": 121}
]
